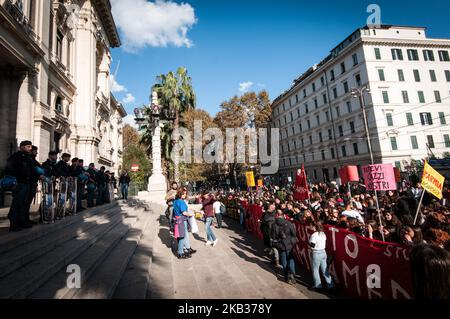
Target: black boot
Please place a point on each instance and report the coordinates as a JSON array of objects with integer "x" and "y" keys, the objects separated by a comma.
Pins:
[{"x": 192, "y": 251}]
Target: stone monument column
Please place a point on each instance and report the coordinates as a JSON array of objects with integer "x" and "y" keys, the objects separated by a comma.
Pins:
[{"x": 157, "y": 185}]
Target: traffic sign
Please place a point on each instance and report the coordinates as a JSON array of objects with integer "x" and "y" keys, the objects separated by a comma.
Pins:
[{"x": 134, "y": 167}]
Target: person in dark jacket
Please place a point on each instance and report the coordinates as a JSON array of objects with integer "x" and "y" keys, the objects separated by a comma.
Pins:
[
  {"x": 268, "y": 220},
  {"x": 284, "y": 239},
  {"x": 21, "y": 166},
  {"x": 124, "y": 183},
  {"x": 91, "y": 184},
  {"x": 62, "y": 168},
  {"x": 49, "y": 165},
  {"x": 33, "y": 184},
  {"x": 101, "y": 185}
]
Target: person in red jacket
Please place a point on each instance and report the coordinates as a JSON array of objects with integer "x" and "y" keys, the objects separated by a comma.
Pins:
[{"x": 207, "y": 202}]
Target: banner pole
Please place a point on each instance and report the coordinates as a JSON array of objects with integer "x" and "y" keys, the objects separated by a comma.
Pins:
[
  {"x": 420, "y": 204},
  {"x": 379, "y": 215}
]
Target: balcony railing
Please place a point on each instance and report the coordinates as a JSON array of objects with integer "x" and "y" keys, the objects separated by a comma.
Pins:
[{"x": 16, "y": 11}]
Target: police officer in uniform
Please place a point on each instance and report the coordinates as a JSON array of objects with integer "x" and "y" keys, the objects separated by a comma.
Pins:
[
  {"x": 49, "y": 165},
  {"x": 101, "y": 185},
  {"x": 91, "y": 184},
  {"x": 81, "y": 183},
  {"x": 21, "y": 166},
  {"x": 62, "y": 167},
  {"x": 33, "y": 184}
]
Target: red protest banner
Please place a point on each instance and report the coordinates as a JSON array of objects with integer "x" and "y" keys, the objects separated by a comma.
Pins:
[
  {"x": 379, "y": 177},
  {"x": 360, "y": 267},
  {"x": 349, "y": 174},
  {"x": 301, "y": 191}
]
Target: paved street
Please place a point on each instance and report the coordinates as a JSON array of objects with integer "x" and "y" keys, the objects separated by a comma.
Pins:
[{"x": 124, "y": 251}]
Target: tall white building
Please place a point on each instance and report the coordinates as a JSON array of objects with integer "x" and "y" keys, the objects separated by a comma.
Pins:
[
  {"x": 54, "y": 79},
  {"x": 408, "y": 107}
]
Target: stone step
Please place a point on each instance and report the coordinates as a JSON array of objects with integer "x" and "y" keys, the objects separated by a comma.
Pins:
[
  {"x": 135, "y": 282},
  {"x": 161, "y": 276},
  {"x": 56, "y": 288},
  {"x": 22, "y": 255},
  {"x": 27, "y": 279},
  {"x": 104, "y": 280},
  {"x": 9, "y": 241}
]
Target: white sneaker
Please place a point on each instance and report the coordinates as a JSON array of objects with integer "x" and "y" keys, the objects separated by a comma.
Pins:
[
  {"x": 208, "y": 243},
  {"x": 215, "y": 242}
]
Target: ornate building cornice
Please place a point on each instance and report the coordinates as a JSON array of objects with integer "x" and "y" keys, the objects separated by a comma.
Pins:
[{"x": 103, "y": 8}]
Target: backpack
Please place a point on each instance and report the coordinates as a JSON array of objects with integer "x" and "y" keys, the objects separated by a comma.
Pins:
[
  {"x": 8, "y": 183},
  {"x": 223, "y": 209}
]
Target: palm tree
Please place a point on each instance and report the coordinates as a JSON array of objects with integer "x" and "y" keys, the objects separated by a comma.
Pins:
[{"x": 175, "y": 93}]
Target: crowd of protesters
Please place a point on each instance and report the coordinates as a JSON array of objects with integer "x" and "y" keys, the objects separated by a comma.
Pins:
[
  {"x": 351, "y": 208},
  {"x": 23, "y": 173}
]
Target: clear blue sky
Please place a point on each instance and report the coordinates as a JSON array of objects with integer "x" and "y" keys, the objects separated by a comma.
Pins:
[{"x": 266, "y": 42}]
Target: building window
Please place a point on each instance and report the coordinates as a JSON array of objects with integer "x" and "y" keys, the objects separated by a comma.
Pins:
[
  {"x": 433, "y": 76},
  {"x": 401, "y": 76},
  {"x": 327, "y": 115},
  {"x": 355, "y": 59},
  {"x": 437, "y": 96},
  {"x": 352, "y": 127},
  {"x": 292, "y": 117},
  {"x": 314, "y": 87},
  {"x": 335, "y": 94},
  {"x": 332, "y": 77},
  {"x": 304, "y": 93},
  {"x": 325, "y": 99},
  {"x": 58, "y": 104},
  {"x": 442, "y": 118},
  {"x": 316, "y": 104},
  {"x": 344, "y": 151},
  {"x": 394, "y": 144},
  {"x": 341, "y": 131},
  {"x": 309, "y": 124},
  {"x": 377, "y": 54},
  {"x": 303, "y": 143},
  {"x": 290, "y": 104},
  {"x": 315, "y": 172},
  {"x": 338, "y": 111},
  {"x": 293, "y": 130},
  {"x": 409, "y": 119},
  {"x": 428, "y": 55},
  {"x": 298, "y": 112},
  {"x": 447, "y": 75},
  {"x": 413, "y": 55},
  {"x": 385, "y": 97},
  {"x": 444, "y": 56},
  {"x": 59, "y": 41},
  {"x": 349, "y": 107},
  {"x": 333, "y": 155},
  {"x": 318, "y": 120},
  {"x": 300, "y": 127},
  {"x": 342, "y": 67},
  {"x": 358, "y": 79},
  {"x": 323, "y": 154},
  {"x": 330, "y": 136},
  {"x": 421, "y": 97},
  {"x": 306, "y": 108},
  {"x": 335, "y": 172},
  {"x": 430, "y": 141},
  {"x": 405, "y": 97},
  {"x": 426, "y": 119},
  {"x": 416, "y": 75},
  {"x": 389, "y": 120},
  {"x": 355, "y": 149},
  {"x": 414, "y": 144},
  {"x": 397, "y": 54},
  {"x": 296, "y": 98},
  {"x": 310, "y": 140},
  {"x": 320, "y": 137},
  {"x": 447, "y": 140},
  {"x": 381, "y": 75},
  {"x": 346, "y": 87},
  {"x": 56, "y": 141},
  {"x": 322, "y": 81}
]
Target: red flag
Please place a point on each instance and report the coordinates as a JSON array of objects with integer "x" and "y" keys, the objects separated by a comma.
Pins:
[{"x": 301, "y": 191}]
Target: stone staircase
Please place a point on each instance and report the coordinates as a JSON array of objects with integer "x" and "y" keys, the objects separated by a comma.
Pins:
[{"x": 112, "y": 244}]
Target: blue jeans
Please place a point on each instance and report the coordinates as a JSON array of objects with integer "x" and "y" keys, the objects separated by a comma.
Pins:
[
  {"x": 319, "y": 262},
  {"x": 242, "y": 218},
  {"x": 287, "y": 261},
  {"x": 184, "y": 243},
  {"x": 209, "y": 233},
  {"x": 90, "y": 195},
  {"x": 124, "y": 190},
  {"x": 100, "y": 191}
]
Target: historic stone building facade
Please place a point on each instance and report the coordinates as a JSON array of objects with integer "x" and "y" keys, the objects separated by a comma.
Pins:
[{"x": 54, "y": 79}]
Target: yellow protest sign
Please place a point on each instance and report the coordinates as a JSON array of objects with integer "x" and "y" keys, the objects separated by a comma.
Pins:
[
  {"x": 250, "y": 179},
  {"x": 260, "y": 183},
  {"x": 432, "y": 181}
]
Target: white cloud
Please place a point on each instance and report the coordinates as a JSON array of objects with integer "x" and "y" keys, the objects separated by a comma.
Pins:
[
  {"x": 115, "y": 86},
  {"x": 245, "y": 86},
  {"x": 157, "y": 24},
  {"x": 129, "y": 119},
  {"x": 129, "y": 98}
]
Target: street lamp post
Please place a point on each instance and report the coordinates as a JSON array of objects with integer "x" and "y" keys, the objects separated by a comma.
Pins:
[{"x": 359, "y": 92}]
